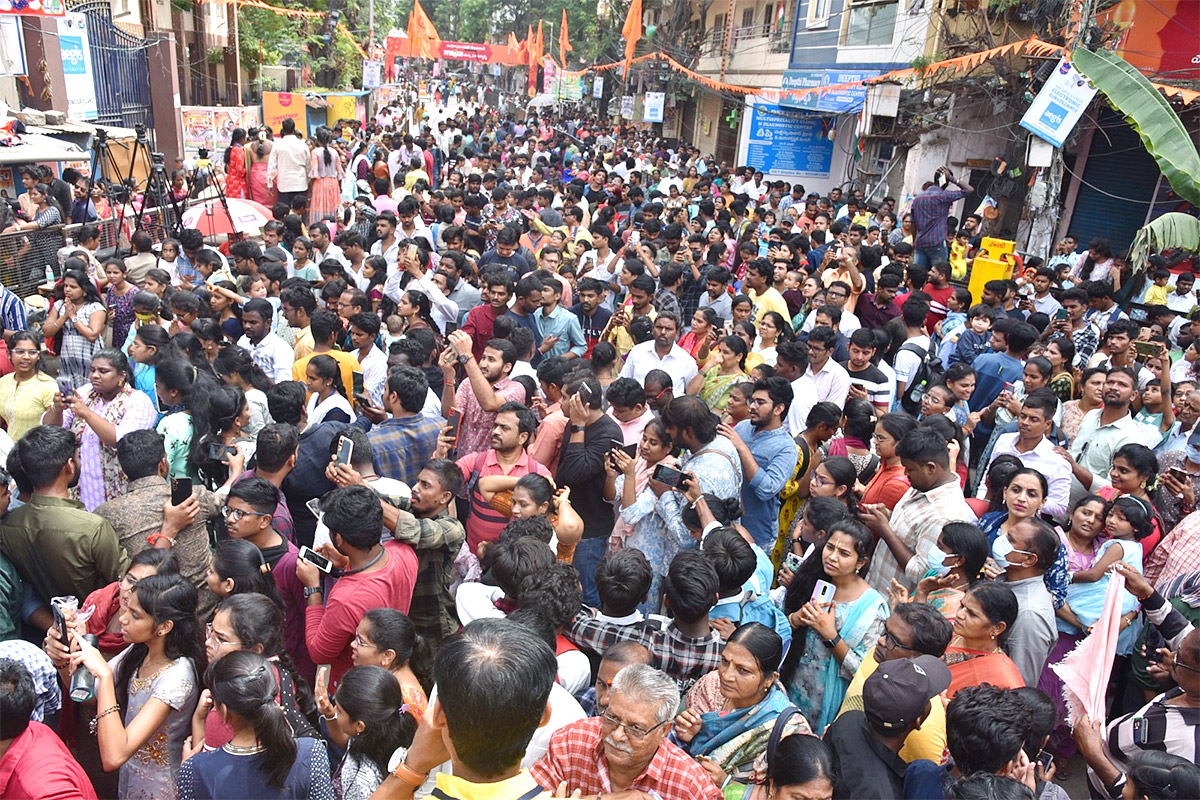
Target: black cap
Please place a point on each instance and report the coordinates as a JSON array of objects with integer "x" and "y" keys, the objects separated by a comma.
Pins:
[{"x": 895, "y": 694}]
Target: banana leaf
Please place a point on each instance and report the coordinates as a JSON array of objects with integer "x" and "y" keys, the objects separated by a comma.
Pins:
[
  {"x": 1150, "y": 114},
  {"x": 1172, "y": 230}
]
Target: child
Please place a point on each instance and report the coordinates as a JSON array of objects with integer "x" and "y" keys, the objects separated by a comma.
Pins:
[
  {"x": 976, "y": 338},
  {"x": 960, "y": 248},
  {"x": 1156, "y": 295},
  {"x": 395, "y": 329},
  {"x": 1153, "y": 404}
]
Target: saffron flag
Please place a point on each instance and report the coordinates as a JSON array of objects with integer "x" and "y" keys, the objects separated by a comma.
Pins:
[
  {"x": 535, "y": 60},
  {"x": 632, "y": 31},
  {"x": 530, "y": 43},
  {"x": 564, "y": 42},
  {"x": 423, "y": 39}
]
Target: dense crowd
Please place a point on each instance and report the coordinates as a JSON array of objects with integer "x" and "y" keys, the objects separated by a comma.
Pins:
[{"x": 529, "y": 457}]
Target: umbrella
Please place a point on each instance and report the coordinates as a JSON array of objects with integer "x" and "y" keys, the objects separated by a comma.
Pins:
[{"x": 211, "y": 218}]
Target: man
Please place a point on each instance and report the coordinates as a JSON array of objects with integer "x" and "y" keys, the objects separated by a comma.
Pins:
[
  {"x": 364, "y": 330},
  {"x": 1011, "y": 342},
  {"x": 939, "y": 291},
  {"x": 275, "y": 456},
  {"x": 830, "y": 378},
  {"x": 453, "y": 265},
  {"x": 1187, "y": 414},
  {"x": 915, "y": 524},
  {"x": 270, "y": 353},
  {"x": 593, "y": 316},
  {"x": 897, "y": 700},
  {"x": 298, "y": 305},
  {"x": 768, "y": 457},
  {"x": 876, "y": 309},
  {"x": 836, "y": 296},
  {"x": 585, "y": 447},
  {"x": 660, "y": 390},
  {"x": 1104, "y": 431},
  {"x": 405, "y": 441},
  {"x": 791, "y": 363},
  {"x": 1084, "y": 333},
  {"x": 1030, "y": 444},
  {"x": 505, "y": 255},
  {"x": 867, "y": 381},
  {"x": 57, "y": 546},
  {"x": 493, "y": 679},
  {"x": 1025, "y": 553},
  {"x": 844, "y": 267},
  {"x": 628, "y": 407},
  {"x": 527, "y": 303},
  {"x": 559, "y": 329},
  {"x": 760, "y": 288},
  {"x": 912, "y": 354},
  {"x": 744, "y": 575},
  {"x": 327, "y": 331},
  {"x": 912, "y": 630},
  {"x": 1182, "y": 300},
  {"x": 481, "y": 320},
  {"x": 626, "y": 749},
  {"x": 288, "y": 165},
  {"x": 34, "y": 762},
  {"x": 487, "y": 388},
  {"x": 376, "y": 576},
  {"x": 596, "y": 699},
  {"x": 1103, "y": 309},
  {"x": 387, "y": 245},
  {"x": 1042, "y": 301},
  {"x": 552, "y": 375},
  {"x": 716, "y": 295},
  {"x": 929, "y": 211},
  {"x": 661, "y": 353},
  {"x": 144, "y": 517},
  {"x": 426, "y": 525}
]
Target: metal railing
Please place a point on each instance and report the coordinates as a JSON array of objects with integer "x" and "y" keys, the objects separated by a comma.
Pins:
[{"x": 780, "y": 38}]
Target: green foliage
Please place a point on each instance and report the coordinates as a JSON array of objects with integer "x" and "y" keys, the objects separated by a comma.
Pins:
[{"x": 1168, "y": 231}]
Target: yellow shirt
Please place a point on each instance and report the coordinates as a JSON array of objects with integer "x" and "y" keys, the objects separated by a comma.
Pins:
[
  {"x": 770, "y": 300},
  {"x": 1157, "y": 295},
  {"x": 928, "y": 741},
  {"x": 304, "y": 343},
  {"x": 620, "y": 337},
  {"x": 347, "y": 365},
  {"x": 22, "y": 405}
]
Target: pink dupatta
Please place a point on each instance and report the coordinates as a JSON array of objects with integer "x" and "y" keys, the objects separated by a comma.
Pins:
[{"x": 1086, "y": 669}]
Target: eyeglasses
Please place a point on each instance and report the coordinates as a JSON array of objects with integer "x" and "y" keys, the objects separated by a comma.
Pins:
[
  {"x": 611, "y": 723},
  {"x": 890, "y": 642},
  {"x": 235, "y": 514},
  {"x": 1188, "y": 667},
  {"x": 209, "y": 633},
  {"x": 361, "y": 642}
]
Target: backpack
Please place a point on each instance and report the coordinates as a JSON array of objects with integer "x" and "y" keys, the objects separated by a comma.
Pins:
[{"x": 930, "y": 373}]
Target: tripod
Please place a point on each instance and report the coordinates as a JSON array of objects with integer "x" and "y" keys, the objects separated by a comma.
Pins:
[
  {"x": 158, "y": 194},
  {"x": 116, "y": 191},
  {"x": 204, "y": 179}
]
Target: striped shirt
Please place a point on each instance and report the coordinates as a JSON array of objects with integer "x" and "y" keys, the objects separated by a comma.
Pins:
[
  {"x": 875, "y": 381},
  {"x": 1169, "y": 728},
  {"x": 485, "y": 523},
  {"x": 917, "y": 520},
  {"x": 12, "y": 310}
]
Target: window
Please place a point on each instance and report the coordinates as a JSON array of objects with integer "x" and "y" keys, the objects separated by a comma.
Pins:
[
  {"x": 769, "y": 17},
  {"x": 818, "y": 13},
  {"x": 870, "y": 24},
  {"x": 747, "y": 17}
]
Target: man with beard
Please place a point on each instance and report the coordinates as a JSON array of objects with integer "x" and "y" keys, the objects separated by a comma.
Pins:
[
  {"x": 768, "y": 457},
  {"x": 1104, "y": 431},
  {"x": 486, "y": 389},
  {"x": 593, "y": 317},
  {"x": 661, "y": 353},
  {"x": 626, "y": 748}
]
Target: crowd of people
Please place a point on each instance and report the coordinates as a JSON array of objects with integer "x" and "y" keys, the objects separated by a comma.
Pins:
[{"x": 529, "y": 458}]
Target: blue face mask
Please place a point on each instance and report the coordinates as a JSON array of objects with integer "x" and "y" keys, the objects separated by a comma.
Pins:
[
  {"x": 937, "y": 562},
  {"x": 1193, "y": 453},
  {"x": 1001, "y": 548}
]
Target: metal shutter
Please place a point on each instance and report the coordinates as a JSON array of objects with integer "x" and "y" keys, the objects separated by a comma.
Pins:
[{"x": 1118, "y": 164}]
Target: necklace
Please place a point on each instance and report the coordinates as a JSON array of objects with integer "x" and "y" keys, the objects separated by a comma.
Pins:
[{"x": 236, "y": 750}]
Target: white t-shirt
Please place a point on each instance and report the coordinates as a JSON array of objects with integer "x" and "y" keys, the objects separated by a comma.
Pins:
[{"x": 907, "y": 363}]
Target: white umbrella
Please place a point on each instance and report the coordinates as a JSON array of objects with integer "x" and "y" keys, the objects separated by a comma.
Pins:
[{"x": 211, "y": 218}]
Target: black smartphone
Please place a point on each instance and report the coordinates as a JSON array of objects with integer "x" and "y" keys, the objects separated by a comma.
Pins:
[
  {"x": 181, "y": 490},
  {"x": 1061, "y": 314},
  {"x": 455, "y": 422},
  {"x": 316, "y": 559},
  {"x": 1045, "y": 760},
  {"x": 357, "y": 379},
  {"x": 218, "y": 451},
  {"x": 669, "y": 476},
  {"x": 631, "y": 449}
]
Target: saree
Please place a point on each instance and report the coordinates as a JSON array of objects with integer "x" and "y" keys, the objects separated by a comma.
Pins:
[
  {"x": 737, "y": 739},
  {"x": 973, "y": 667},
  {"x": 716, "y": 389}
]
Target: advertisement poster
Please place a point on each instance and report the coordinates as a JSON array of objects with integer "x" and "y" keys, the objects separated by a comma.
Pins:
[
  {"x": 197, "y": 129},
  {"x": 278, "y": 106},
  {"x": 652, "y": 106},
  {"x": 77, "y": 66},
  {"x": 783, "y": 143},
  {"x": 837, "y": 102},
  {"x": 340, "y": 107},
  {"x": 372, "y": 74},
  {"x": 8, "y": 184},
  {"x": 627, "y": 106},
  {"x": 598, "y": 87},
  {"x": 1057, "y": 108},
  {"x": 12, "y": 48},
  {"x": 33, "y": 8}
]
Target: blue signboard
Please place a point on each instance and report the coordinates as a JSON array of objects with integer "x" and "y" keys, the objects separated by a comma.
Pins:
[
  {"x": 838, "y": 102},
  {"x": 782, "y": 142}
]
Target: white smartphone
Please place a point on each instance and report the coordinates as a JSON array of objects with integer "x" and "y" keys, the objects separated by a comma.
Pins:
[
  {"x": 822, "y": 594},
  {"x": 345, "y": 451},
  {"x": 316, "y": 559}
]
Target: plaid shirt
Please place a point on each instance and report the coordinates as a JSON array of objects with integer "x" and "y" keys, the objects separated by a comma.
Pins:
[
  {"x": 665, "y": 300},
  {"x": 437, "y": 541},
  {"x": 684, "y": 658},
  {"x": 1177, "y": 554},
  {"x": 403, "y": 446},
  {"x": 917, "y": 520},
  {"x": 576, "y": 755},
  {"x": 1086, "y": 340},
  {"x": 929, "y": 211}
]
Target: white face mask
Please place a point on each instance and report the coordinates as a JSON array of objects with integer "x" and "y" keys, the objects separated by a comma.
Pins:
[
  {"x": 1001, "y": 548},
  {"x": 937, "y": 562}
]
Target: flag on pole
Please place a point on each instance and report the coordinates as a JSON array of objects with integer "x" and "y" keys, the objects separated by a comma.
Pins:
[
  {"x": 513, "y": 48},
  {"x": 423, "y": 39},
  {"x": 530, "y": 43},
  {"x": 564, "y": 42},
  {"x": 535, "y": 60},
  {"x": 632, "y": 31}
]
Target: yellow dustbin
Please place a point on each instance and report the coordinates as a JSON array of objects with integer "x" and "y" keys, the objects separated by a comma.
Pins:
[{"x": 994, "y": 262}]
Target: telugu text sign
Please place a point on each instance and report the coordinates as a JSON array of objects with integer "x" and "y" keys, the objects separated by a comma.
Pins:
[
  {"x": 1056, "y": 110},
  {"x": 779, "y": 141}
]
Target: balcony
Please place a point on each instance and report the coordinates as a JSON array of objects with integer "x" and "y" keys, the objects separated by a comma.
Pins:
[{"x": 778, "y": 40}]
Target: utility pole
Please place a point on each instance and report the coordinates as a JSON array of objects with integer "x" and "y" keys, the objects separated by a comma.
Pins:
[{"x": 371, "y": 30}]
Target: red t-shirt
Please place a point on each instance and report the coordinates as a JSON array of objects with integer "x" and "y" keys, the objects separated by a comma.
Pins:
[
  {"x": 937, "y": 304},
  {"x": 38, "y": 764}
]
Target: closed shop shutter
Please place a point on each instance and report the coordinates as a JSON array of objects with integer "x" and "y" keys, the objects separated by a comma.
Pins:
[{"x": 1119, "y": 165}]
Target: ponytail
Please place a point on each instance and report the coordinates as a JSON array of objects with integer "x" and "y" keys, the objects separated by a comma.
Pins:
[{"x": 245, "y": 684}]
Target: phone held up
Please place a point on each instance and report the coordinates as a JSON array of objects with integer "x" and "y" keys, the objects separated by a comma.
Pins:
[
  {"x": 669, "y": 476},
  {"x": 316, "y": 559}
]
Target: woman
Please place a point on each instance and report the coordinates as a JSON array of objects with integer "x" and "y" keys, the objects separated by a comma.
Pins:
[
  {"x": 324, "y": 188},
  {"x": 327, "y": 396},
  {"x": 225, "y": 305},
  {"x": 820, "y": 426},
  {"x": 258, "y": 154},
  {"x": 1134, "y": 468},
  {"x": 889, "y": 483},
  {"x": 638, "y": 524},
  {"x": 1096, "y": 264},
  {"x": 981, "y": 627},
  {"x": 146, "y": 694},
  {"x": 744, "y": 329},
  {"x": 251, "y": 622},
  {"x": 834, "y": 477},
  {"x": 237, "y": 168},
  {"x": 150, "y": 344},
  {"x": 387, "y": 638},
  {"x": 729, "y": 714},
  {"x": 955, "y": 565},
  {"x": 858, "y": 426},
  {"x": 960, "y": 380},
  {"x": 416, "y": 311},
  {"x": 740, "y": 309},
  {"x": 809, "y": 290},
  {"x": 301, "y": 266},
  {"x": 181, "y": 387},
  {"x": 1174, "y": 496},
  {"x": 738, "y": 407},
  {"x": 25, "y": 393},
  {"x": 224, "y": 418},
  {"x": 80, "y": 316},
  {"x": 837, "y": 633},
  {"x": 1060, "y": 352},
  {"x": 99, "y": 415},
  {"x": 261, "y": 758},
  {"x": 45, "y": 212},
  {"x": 119, "y": 299},
  {"x": 238, "y": 567},
  {"x": 702, "y": 336},
  {"x": 237, "y": 368},
  {"x": 690, "y": 180},
  {"x": 773, "y": 329},
  {"x": 1091, "y": 396},
  {"x": 372, "y": 716},
  {"x": 533, "y": 495},
  {"x": 811, "y": 531},
  {"x": 714, "y": 384},
  {"x": 800, "y": 769}
]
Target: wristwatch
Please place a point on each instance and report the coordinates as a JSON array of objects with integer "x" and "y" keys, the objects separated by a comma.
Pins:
[
  {"x": 464, "y": 358},
  {"x": 309, "y": 591},
  {"x": 832, "y": 643},
  {"x": 577, "y": 428}
]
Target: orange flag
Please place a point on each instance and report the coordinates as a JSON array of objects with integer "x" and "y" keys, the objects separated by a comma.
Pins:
[
  {"x": 530, "y": 44},
  {"x": 535, "y": 59},
  {"x": 632, "y": 31},
  {"x": 423, "y": 39},
  {"x": 564, "y": 42}
]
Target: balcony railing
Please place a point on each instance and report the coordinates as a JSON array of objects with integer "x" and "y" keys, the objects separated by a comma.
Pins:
[{"x": 780, "y": 39}]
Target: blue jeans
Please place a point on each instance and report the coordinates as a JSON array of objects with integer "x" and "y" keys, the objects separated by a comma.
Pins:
[
  {"x": 924, "y": 256},
  {"x": 588, "y": 555}
]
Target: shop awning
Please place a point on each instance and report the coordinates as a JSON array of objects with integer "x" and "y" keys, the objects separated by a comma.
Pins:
[{"x": 40, "y": 147}]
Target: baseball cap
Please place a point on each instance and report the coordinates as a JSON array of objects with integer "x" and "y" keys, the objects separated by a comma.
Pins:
[{"x": 895, "y": 694}]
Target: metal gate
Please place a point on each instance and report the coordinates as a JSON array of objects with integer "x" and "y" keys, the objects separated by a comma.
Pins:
[{"x": 120, "y": 71}]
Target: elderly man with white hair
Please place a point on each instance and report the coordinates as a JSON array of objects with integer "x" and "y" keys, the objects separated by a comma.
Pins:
[{"x": 625, "y": 749}]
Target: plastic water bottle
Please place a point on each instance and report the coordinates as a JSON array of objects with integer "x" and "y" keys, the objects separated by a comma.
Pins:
[{"x": 83, "y": 682}]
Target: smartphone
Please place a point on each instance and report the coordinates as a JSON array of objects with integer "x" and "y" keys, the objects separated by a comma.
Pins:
[
  {"x": 669, "y": 476},
  {"x": 823, "y": 593},
  {"x": 414, "y": 252},
  {"x": 793, "y": 562},
  {"x": 323, "y": 678},
  {"x": 1178, "y": 474},
  {"x": 218, "y": 451},
  {"x": 316, "y": 559},
  {"x": 635, "y": 237},
  {"x": 1045, "y": 761},
  {"x": 345, "y": 451},
  {"x": 631, "y": 449},
  {"x": 64, "y": 387},
  {"x": 1147, "y": 349},
  {"x": 1061, "y": 314},
  {"x": 455, "y": 422},
  {"x": 181, "y": 490},
  {"x": 362, "y": 399},
  {"x": 57, "y": 606},
  {"x": 1008, "y": 387},
  {"x": 1141, "y": 731},
  {"x": 357, "y": 379}
]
